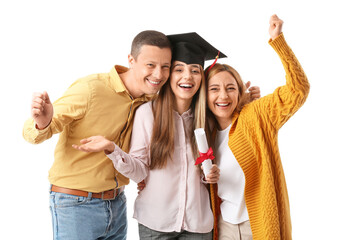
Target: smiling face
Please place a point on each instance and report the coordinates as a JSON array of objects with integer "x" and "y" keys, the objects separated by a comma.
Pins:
[
  {"x": 222, "y": 97},
  {"x": 151, "y": 69},
  {"x": 185, "y": 80}
]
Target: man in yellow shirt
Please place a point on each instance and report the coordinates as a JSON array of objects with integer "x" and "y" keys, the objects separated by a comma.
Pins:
[{"x": 86, "y": 196}]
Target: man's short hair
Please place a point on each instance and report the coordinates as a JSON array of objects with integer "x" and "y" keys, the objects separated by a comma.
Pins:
[{"x": 149, "y": 37}]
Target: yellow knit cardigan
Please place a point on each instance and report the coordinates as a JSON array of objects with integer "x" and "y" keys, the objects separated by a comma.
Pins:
[{"x": 253, "y": 141}]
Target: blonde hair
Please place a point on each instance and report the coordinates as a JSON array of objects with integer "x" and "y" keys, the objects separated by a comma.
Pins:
[{"x": 162, "y": 139}]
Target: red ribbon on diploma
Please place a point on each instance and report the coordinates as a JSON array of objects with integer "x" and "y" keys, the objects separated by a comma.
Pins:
[{"x": 205, "y": 156}]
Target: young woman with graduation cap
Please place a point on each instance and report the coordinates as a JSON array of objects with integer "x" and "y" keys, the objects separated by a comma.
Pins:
[{"x": 175, "y": 202}]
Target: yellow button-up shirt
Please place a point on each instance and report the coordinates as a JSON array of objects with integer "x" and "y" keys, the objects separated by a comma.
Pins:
[{"x": 98, "y": 104}]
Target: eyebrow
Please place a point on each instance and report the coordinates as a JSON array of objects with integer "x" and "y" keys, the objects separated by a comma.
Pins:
[
  {"x": 216, "y": 84},
  {"x": 195, "y": 65},
  {"x": 182, "y": 64},
  {"x": 155, "y": 62}
]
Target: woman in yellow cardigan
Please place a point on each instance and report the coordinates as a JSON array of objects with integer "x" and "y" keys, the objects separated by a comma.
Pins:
[{"x": 251, "y": 199}]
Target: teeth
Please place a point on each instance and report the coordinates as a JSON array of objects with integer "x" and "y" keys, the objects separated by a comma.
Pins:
[
  {"x": 186, "y": 85},
  {"x": 223, "y": 104},
  {"x": 156, "y": 83}
]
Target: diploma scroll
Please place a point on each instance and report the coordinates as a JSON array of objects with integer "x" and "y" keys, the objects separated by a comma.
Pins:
[{"x": 206, "y": 154}]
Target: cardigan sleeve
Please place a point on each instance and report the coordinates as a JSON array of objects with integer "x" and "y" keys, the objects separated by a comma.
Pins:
[{"x": 279, "y": 106}]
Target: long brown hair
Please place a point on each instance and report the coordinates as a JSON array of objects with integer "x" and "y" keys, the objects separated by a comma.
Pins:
[{"x": 162, "y": 140}]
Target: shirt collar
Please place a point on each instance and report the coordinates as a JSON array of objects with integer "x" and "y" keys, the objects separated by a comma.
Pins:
[
  {"x": 119, "y": 85},
  {"x": 115, "y": 79},
  {"x": 187, "y": 114}
]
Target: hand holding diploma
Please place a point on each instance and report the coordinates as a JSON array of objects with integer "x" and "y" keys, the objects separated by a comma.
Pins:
[
  {"x": 214, "y": 174},
  {"x": 211, "y": 171}
]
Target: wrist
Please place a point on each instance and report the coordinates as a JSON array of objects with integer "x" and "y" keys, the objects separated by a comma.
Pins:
[
  {"x": 109, "y": 148},
  {"x": 40, "y": 126}
]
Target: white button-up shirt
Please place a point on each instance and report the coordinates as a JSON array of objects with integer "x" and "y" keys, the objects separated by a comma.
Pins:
[{"x": 174, "y": 198}]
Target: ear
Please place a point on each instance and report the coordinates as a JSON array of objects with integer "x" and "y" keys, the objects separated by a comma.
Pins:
[{"x": 131, "y": 60}]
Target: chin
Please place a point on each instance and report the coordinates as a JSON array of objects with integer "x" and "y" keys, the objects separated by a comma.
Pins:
[{"x": 153, "y": 91}]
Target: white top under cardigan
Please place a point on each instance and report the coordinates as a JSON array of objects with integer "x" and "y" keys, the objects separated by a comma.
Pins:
[{"x": 233, "y": 207}]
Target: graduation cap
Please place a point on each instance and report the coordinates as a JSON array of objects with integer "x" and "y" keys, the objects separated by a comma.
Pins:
[{"x": 190, "y": 48}]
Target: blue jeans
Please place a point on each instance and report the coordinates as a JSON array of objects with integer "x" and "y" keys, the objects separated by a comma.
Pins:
[{"x": 77, "y": 218}]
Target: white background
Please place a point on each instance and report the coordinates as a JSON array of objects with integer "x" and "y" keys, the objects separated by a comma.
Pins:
[{"x": 46, "y": 45}]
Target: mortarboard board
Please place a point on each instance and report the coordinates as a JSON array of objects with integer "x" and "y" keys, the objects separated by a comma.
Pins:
[{"x": 191, "y": 48}]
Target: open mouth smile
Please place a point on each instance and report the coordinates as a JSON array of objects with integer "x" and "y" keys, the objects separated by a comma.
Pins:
[
  {"x": 154, "y": 82},
  {"x": 222, "y": 104},
  {"x": 186, "y": 85}
]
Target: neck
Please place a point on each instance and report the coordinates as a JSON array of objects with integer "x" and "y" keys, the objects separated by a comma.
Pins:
[
  {"x": 130, "y": 85},
  {"x": 182, "y": 106},
  {"x": 223, "y": 122}
]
